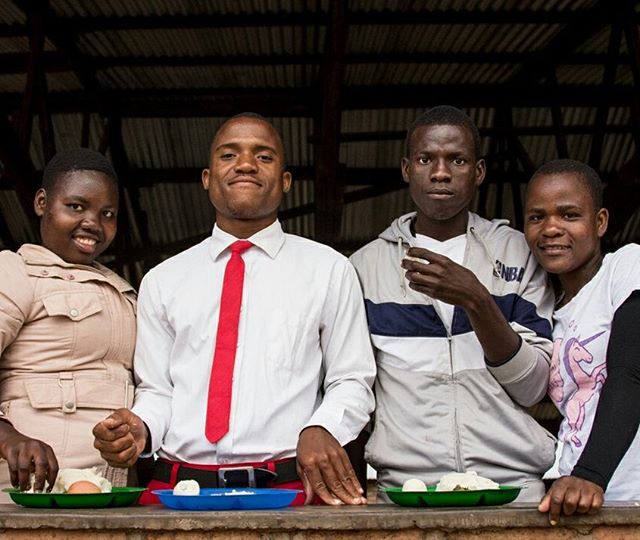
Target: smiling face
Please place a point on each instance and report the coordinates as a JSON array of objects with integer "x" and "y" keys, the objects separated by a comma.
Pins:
[
  {"x": 443, "y": 175},
  {"x": 563, "y": 228},
  {"x": 78, "y": 218},
  {"x": 246, "y": 178}
]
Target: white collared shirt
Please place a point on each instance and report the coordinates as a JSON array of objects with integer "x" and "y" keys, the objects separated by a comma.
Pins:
[{"x": 304, "y": 356}]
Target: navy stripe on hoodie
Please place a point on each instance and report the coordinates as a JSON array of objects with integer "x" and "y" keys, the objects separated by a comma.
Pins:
[{"x": 420, "y": 320}]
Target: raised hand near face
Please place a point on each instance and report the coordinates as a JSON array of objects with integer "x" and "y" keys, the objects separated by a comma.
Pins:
[{"x": 442, "y": 279}]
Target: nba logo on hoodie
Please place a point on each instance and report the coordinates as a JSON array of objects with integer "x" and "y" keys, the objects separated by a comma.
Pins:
[{"x": 508, "y": 273}]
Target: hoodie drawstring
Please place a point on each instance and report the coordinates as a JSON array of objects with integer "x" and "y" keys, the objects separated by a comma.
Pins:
[{"x": 403, "y": 285}]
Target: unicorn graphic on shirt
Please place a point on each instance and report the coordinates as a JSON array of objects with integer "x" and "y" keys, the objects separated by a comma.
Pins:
[
  {"x": 556, "y": 382},
  {"x": 577, "y": 361}
]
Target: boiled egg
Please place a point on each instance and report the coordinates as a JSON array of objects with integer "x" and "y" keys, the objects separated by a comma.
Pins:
[
  {"x": 414, "y": 484},
  {"x": 83, "y": 486}
]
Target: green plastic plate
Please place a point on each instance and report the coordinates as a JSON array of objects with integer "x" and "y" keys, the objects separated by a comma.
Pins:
[
  {"x": 123, "y": 496},
  {"x": 431, "y": 497}
]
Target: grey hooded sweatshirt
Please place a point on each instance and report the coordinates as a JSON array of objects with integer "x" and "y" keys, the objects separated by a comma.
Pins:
[{"x": 440, "y": 407}]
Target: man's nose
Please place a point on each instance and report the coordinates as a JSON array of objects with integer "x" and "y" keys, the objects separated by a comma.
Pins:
[
  {"x": 246, "y": 163},
  {"x": 552, "y": 226},
  {"x": 440, "y": 171}
]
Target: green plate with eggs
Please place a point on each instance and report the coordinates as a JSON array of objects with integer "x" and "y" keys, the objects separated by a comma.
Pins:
[
  {"x": 431, "y": 497},
  {"x": 119, "y": 496}
]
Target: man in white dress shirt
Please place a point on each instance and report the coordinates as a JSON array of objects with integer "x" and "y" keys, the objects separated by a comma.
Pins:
[{"x": 303, "y": 366}]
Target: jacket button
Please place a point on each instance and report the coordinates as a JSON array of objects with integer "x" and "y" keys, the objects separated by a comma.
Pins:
[
  {"x": 68, "y": 405},
  {"x": 44, "y": 273},
  {"x": 71, "y": 277},
  {"x": 74, "y": 312}
]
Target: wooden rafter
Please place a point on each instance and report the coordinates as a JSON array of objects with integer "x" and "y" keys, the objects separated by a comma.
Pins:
[
  {"x": 56, "y": 62},
  {"x": 328, "y": 187},
  {"x": 298, "y": 102},
  {"x": 608, "y": 79},
  {"x": 18, "y": 169},
  {"x": 562, "y": 149},
  {"x": 384, "y": 17}
]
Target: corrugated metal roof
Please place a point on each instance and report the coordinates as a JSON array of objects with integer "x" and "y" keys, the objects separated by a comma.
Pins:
[
  {"x": 120, "y": 8},
  {"x": 181, "y": 210}
]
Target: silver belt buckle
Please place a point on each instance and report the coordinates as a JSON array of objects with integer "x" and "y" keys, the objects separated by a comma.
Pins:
[{"x": 251, "y": 475}]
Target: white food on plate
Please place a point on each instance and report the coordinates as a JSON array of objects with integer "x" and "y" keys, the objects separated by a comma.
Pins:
[
  {"x": 414, "y": 484},
  {"x": 187, "y": 487},
  {"x": 235, "y": 492},
  {"x": 468, "y": 481},
  {"x": 67, "y": 477}
]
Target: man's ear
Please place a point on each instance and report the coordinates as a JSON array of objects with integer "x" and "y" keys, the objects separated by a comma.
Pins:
[
  {"x": 404, "y": 167},
  {"x": 481, "y": 171},
  {"x": 602, "y": 221},
  {"x": 40, "y": 202},
  {"x": 205, "y": 179},
  {"x": 286, "y": 181}
]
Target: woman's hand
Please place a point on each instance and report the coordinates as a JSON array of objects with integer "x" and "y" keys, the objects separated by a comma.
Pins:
[
  {"x": 570, "y": 494},
  {"x": 24, "y": 456}
]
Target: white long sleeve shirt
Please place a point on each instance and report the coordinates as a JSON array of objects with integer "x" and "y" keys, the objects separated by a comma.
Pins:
[{"x": 304, "y": 356}]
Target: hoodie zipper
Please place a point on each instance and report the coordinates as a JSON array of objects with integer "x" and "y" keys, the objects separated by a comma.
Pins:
[{"x": 456, "y": 431}]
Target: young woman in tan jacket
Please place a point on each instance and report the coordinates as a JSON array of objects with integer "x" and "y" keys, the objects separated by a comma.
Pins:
[{"x": 67, "y": 328}]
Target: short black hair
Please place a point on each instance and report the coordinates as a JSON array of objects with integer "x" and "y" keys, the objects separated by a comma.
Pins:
[
  {"x": 445, "y": 115},
  {"x": 257, "y": 116},
  {"x": 248, "y": 114},
  {"x": 589, "y": 176},
  {"x": 75, "y": 159}
]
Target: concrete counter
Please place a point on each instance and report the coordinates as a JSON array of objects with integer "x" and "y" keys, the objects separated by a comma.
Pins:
[{"x": 353, "y": 523}]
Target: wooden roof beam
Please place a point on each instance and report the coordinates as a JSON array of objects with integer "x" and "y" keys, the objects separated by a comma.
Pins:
[
  {"x": 57, "y": 62},
  {"x": 574, "y": 34},
  {"x": 89, "y": 24},
  {"x": 62, "y": 35},
  {"x": 328, "y": 186},
  {"x": 18, "y": 169},
  {"x": 608, "y": 81},
  {"x": 297, "y": 102}
]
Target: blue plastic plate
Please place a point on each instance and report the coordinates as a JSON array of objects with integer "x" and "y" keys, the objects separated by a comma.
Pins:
[{"x": 228, "y": 499}]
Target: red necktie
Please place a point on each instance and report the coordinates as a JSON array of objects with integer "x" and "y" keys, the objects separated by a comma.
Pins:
[{"x": 221, "y": 380}]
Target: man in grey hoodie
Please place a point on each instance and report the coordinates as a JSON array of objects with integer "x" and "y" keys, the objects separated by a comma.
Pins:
[{"x": 459, "y": 313}]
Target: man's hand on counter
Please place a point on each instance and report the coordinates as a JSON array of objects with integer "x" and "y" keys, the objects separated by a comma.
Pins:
[{"x": 325, "y": 469}]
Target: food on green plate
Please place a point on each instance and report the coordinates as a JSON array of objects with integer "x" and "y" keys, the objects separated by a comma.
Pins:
[
  {"x": 81, "y": 481},
  {"x": 187, "y": 487},
  {"x": 414, "y": 484},
  {"x": 467, "y": 481}
]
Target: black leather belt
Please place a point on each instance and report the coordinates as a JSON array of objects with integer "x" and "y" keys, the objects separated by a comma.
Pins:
[{"x": 285, "y": 471}]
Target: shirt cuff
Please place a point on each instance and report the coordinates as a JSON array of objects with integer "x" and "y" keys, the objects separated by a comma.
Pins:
[
  {"x": 514, "y": 367},
  {"x": 333, "y": 424},
  {"x": 508, "y": 359},
  {"x": 592, "y": 476}
]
